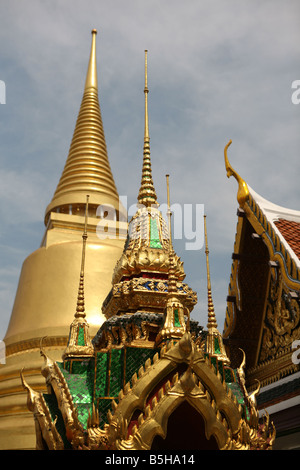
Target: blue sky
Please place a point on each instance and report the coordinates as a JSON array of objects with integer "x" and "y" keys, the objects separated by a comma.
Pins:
[{"x": 217, "y": 70}]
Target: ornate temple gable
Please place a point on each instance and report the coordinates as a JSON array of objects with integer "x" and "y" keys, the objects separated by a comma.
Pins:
[
  {"x": 264, "y": 286},
  {"x": 173, "y": 378}
]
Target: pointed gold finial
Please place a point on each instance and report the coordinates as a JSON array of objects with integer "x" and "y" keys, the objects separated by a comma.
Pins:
[
  {"x": 172, "y": 277},
  {"x": 174, "y": 325},
  {"x": 214, "y": 341},
  {"x": 146, "y": 91},
  {"x": 243, "y": 191},
  {"x": 169, "y": 213},
  {"x": 80, "y": 310},
  {"x": 79, "y": 344},
  {"x": 91, "y": 77},
  {"x": 147, "y": 194},
  {"x": 212, "y": 322}
]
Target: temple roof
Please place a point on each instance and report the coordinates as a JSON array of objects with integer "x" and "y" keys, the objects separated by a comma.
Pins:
[{"x": 123, "y": 397}]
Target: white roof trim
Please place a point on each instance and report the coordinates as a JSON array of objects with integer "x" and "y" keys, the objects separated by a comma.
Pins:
[{"x": 273, "y": 212}]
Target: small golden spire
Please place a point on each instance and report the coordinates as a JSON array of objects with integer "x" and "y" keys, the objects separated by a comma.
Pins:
[
  {"x": 80, "y": 310},
  {"x": 214, "y": 341},
  {"x": 174, "y": 325},
  {"x": 212, "y": 321},
  {"x": 243, "y": 191},
  {"x": 147, "y": 194},
  {"x": 172, "y": 277},
  {"x": 79, "y": 343}
]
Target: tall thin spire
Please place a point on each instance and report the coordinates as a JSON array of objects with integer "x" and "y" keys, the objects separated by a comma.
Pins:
[
  {"x": 79, "y": 343},
  {"x": 172, "y": 277},
  {"x": 174, "y": 325},
  {"x": 147, "y": 194},
  {"x": 146, "y": 91},
  {"x": 214, "y": 340},
  {"x": 212, "y": 321},
  {"x": 87, "y": 168},
  {"x": 80, "y": 309}
]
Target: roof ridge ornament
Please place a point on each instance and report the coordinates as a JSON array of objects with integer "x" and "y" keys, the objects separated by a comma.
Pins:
[
  {"x": 147, "y": 195},
  {"x": 243, "y": 191}
]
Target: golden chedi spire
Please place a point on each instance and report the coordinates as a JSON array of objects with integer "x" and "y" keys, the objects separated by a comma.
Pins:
[
  {"x": 87, "y": 169},
  {"x": 147, "y": 194},
  {"x": 214, "y": 341}
]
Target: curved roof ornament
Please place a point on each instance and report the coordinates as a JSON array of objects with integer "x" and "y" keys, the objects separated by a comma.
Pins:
[{"x": 243, "y": 191}]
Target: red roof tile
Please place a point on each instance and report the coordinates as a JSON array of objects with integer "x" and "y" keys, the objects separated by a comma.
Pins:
[{"x": 290, "y": 230}]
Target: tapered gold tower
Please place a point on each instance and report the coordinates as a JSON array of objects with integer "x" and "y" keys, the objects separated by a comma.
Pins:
[
  {"x": 46, "y": 296},
  {"x": 87, "y": 169}
]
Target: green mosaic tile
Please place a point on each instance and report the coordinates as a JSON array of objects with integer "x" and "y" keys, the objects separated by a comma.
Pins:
[
  {"x": 101, "y": 374},
  {"x": 217, "y": 345},
  {"x": 83, "y": 411},
  {"x": 82, "y": 367},
  {"x": 154, "y": 234},
  {"x": 176, "y": 318},
  {"x": 116, "y": 372},
  {"x": 80, "y": 337},
  {"x": 135, "y": 358},
  {"x": 81, "y": 384}
]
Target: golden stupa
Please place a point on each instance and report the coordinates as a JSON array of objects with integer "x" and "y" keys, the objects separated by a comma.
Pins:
[{"x": 47, "y": 290}]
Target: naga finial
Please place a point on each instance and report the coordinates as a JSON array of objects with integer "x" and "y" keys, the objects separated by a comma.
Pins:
[{"x": 243, "y": 191}]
